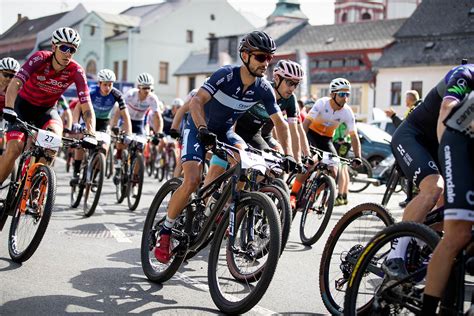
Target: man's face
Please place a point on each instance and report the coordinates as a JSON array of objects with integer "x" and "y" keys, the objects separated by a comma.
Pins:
[
  {"x": 259, "y": 62},
  {"x": 342, "y": 96},
  {"x": 105, "y": 87},
  {"x": 64, "y": 53},
  {"x": 5, "y": 77},
  {"x": 144, "y": 90},
  {"x": 286, "y": 87}
]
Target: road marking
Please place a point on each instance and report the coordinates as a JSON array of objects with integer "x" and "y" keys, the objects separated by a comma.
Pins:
[
  {"x": 204, "y": 287},
  {"x": 117, "y": 233},
  {"x": 99, "y": 209}
]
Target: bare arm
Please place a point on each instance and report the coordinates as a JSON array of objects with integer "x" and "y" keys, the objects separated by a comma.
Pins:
[
  {"x": 127, "y": 123},
  {"x": 196, "y": 107},
  {"x": 76, "y": 114},
  {"x": 12, "y": 92},
  {"x": 178, "y": 117},
  {"x": 158, "y": 122},
  {"x": 355, "y": 142},
  {"x": 295, "y": 141},
  {"x": 446, "y": 107},
  {"x": 68, "y": 118},
  {"x": 283, "y": 134},
  {"x": 303, "y": 141},
  {"x": 89, "y": 116},
  {"x": 306, "y": 124}
]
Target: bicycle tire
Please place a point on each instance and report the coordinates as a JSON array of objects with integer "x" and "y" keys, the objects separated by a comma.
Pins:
[
  {"x": 365, "y": 168},
  {"x": 260, "y": 284},
  {"x": 160, "y": 172},
  {"x": 329, "y": 195},
  {"x": 134, "y": 199},
  {"x": 96, "y": 169},
  {"x": 77, "y": 191},
  {"x": 109, "y": 162},
  {"x": 150, "y": 233},
  {"x": 121, "y": 187},
  {"x": 329, "y": 260},
  {"x": 281, "y": 184},
  {"x": 403, "y": 229},
  {"x": 39, "y": 220},
  {"x": 171, "y": 165},
  {"x": 391, "y": 185}
]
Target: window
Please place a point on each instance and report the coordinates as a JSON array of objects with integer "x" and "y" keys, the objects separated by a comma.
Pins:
[
  {"x": 356, "y": 96},
  {"x": 91, "y": 68},
  {"x": 323, "y": 92},
  {"x": 189, "y": 36},
  {"x": 337, "y": 63},
  {"x": 344, "y": 17},
  {"x": 323, "y": 64},
  {"x": 396, "y": 93},
  {"x": 191, "y": 83},
  {"x": 124, "y": 70},
  {"x": 418, "y": 86},
  {"x": 92, "y": 30},
  {"x": 213, "y": 51},
  {"x": 233, "y": 46},
  {"x": 164, "y": 72},
  {"x": 366, "y": 16},
  {"x": 116, "y": 68},
  {"x": 353, "y": 62},
  {"x": 213, "y": 17}
]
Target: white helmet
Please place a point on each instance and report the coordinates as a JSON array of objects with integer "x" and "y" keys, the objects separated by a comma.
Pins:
[
  {"x": 9, "y": 63},
  {"x": 288, "y": 69},
  {"x": 177, "y": 102},
  {"x": 338, "y": 84},
  {"x": 66, "y": 35},
  {"x": 145, "y": 79},
  {"x": 106, "y": 75}
]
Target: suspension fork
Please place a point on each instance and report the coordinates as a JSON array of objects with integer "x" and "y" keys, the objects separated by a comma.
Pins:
[{"x": 24, "y": 198}]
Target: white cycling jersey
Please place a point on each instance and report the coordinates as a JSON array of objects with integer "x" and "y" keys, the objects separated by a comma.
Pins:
[
  {"x": 324, "y": 120},
  {"x": 137, "y": 108}
]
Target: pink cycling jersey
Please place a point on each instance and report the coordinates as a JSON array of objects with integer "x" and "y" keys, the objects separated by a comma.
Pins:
[{"x": 42, "y": 85}]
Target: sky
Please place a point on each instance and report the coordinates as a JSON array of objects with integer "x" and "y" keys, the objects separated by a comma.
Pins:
[{"x": 318, "y": 11}]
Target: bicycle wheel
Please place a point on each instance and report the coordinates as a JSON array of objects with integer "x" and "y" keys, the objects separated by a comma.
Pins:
[
  {"x": 122, "y": 179},
  {"x": 94, "y": 183},
  {"x": 282, "y": 203},
  {"x": 344, "y": 244},
  {"x": 291, "y": 179},
  {"x": 318, "y": 210},
  {"x": 391, "y": 185},
  {"x": 135, "y": 185},
  {"x": 109, "y": 162},
  {"x": 227, "y": 260},
  {"x": 171, "y": 164},
  {"x": 27, "y": 228},
  {"x": 154, "y": 270},
  {"x": 77, "y": 190},
  {"x": 161, "y": 169},
  {"x": 359, "y": 175},
  {"x": 367, "y": 293},
  {"x": 281, "y": 184}
]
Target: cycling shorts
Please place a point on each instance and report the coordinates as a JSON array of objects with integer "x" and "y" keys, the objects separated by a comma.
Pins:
[
  {"x": 138, "y": 127},
  {"x": 321, "y": 142},
  {"x": 272, "y": 142},
  {"x": 255, "y": 140},
  {"x": 101, "y": 125},
  {"x": 416, "y": 156},
  {"x": 194, "y": 151},
  {"x": 38, "y": 116},
  {"x": 456, "y": 155}
]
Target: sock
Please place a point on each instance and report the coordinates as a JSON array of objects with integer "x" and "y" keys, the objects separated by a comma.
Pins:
[
  {"x": 296, "y": 187},
  {"x": 339, "y": 196},
  {"x": 400, "y": 248},
  {"x": 344, "y": 196},
  {"x": 168, "y": 225},
  {"x": 118, "y": 154},
  {"x": 430, "y": 304},
  {"x": 77, "y": 166}
]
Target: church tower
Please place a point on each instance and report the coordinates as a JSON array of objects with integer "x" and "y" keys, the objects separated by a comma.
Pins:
[
  {"x": 350, "y": 11},
  {"x": 287, "y": 10}
]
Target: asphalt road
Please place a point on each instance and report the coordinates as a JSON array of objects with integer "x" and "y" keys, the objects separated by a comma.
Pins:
[{"x": 92, "y": 265}]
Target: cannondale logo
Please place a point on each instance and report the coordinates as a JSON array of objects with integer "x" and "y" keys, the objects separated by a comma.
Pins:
[
  {"x": 433, "y": 165},
  {"x": 470, "y": 197},
  {"x": 449, "y": 174}
]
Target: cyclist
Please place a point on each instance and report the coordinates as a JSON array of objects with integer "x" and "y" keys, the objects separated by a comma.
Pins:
[
  {"x": 415, "y": 147},
  {"x": 64, "y": 112},
  {"x": 456, "y": 154},
  {"x": 33, "y": 93},
  {"x": 341, "y": 143},
  {"x": 226, "y": 96},
  {"x": 104, "y": 97},
  {"x": 322, "y": 121},
  {"x": 8, "y": 69}
]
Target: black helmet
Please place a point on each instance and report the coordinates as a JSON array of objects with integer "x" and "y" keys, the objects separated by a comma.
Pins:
[{"x": 257, "y": 40}]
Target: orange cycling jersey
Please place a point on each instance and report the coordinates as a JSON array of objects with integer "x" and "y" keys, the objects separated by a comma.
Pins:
[{"x": 324, "y": 120}]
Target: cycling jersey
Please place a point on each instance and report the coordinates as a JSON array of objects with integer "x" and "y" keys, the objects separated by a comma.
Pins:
[
  {"x": 137, "y": 108},
  {"x": 461, "y": 117},
  {"x": 324, "y": 120},
  {"x": 103, "y": 105},
  {"x": 43, "y": 86},
  {"x": 167, "y": 121},
  {"x": 2, "y": 100}
]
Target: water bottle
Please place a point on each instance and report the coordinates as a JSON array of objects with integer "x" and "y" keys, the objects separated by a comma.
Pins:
[{"x": 211, "y": 203}]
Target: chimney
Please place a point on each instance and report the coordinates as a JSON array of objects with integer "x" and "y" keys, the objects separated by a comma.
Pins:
[{"x": 19, "y": 17}]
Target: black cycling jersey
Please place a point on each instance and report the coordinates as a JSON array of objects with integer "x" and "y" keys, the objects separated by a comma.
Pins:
[
  {"x": 461, "y": 117},
  {"x": 167, "y": 121}
]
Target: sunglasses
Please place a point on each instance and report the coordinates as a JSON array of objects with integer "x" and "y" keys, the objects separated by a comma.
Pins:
[
  {"x": 291, "y": 83},
  {"x": 145, "y": 88},
  {"x": 343, "y": 94},
  {"x": 67, "y": 49},
  {"x": 262, "y": 57},
  {"x": 8, "y": 75}
]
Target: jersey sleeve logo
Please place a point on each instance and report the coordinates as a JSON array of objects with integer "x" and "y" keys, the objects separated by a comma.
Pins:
[{"x": 460, "y": 88}]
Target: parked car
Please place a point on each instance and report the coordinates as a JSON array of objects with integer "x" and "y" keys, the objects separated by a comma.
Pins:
[
  {"x": 375, "y": 143},
  {"x": 381, "y": 121}
]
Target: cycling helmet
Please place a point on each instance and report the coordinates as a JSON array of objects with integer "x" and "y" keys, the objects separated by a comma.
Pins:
[
  {"x": 106, "y": 75},
  {"x": 66, "y": 35},
  {"x": 288, "y": 69},
  {"x": 177, "y": 102},
  {"x": 145, "y": 79},
  {"x": 9, "y": 63},
  {"x": 338, "y": 84},
  {"x": 257, "y": 40}
]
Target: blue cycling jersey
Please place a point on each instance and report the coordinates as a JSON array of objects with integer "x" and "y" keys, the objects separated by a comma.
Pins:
[
  {"x": 103, "y": 105},
  {"x": 229, "y": 101}
]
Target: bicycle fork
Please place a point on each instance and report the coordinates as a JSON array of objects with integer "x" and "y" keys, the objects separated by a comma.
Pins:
[{"x": 41, "y": 194}]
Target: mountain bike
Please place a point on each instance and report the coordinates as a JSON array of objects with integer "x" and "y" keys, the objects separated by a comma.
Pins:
[
  {"x": 31, "y": 194},
  {"x": 246, "y": 236},
  {"x": 166, "y": 161}
]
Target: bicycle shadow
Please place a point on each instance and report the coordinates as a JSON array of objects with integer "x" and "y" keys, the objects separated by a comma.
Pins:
[
  {"x": 293, "y": 246},
  {"x": 8, "y": 265}
]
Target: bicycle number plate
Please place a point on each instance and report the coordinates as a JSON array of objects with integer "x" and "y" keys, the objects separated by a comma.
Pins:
[
  {"x": 102, "y": 137},
  {"x": 48, "y": 140},
  {"x": 252, "y": 161},
  {"x": 329, "y": 159}
]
